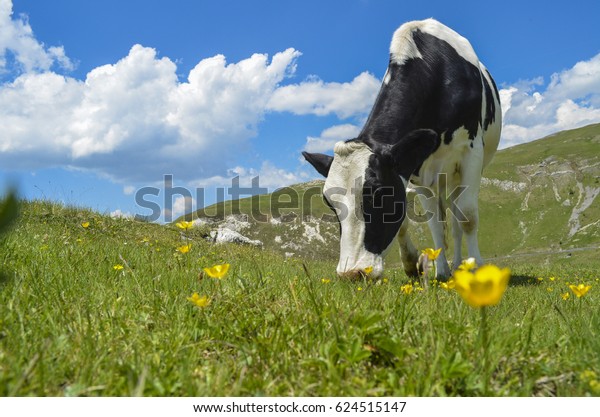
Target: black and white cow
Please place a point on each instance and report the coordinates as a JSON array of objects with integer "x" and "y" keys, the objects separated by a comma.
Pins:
[{"x": 436, "y": 123}]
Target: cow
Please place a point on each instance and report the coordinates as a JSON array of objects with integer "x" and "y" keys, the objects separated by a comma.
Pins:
[{"x": 435, "y": 125}]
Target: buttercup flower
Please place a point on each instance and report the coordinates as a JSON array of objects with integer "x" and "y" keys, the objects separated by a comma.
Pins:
[
  {"x": 184, "y": 248},
  {"x": 325, "y": 280},
  {"x": 118, "y": 267},
  {"x": 449, "y": 285},
  {"x": 368, "y": 270},
  {"x": 468, "y": 264},
  {"x": 484, "y": 287},
  {"x": 580, "y": 290},
  {"x": 217, "y": 271},
  {"x": 431, "y": 253},
  {"x": 565, "y": 296},
  {"x": 199, "y": 301},
  {"x": 407, "y": 288},
  {"x": 85, "y": 225},
  {"x": 184, "y": 225}
]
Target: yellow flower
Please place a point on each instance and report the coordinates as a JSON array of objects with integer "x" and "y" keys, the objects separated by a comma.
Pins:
[
  {"x": 540, "y": 279},
  {"x": 580, "y": 290},
  {"x": 85, "y": 225},
  {"x": 199, "y": 301},
  {"x": 118, "y": 267},
  {"x": 359, "y": 289},
  {"x": 552, "y": 278},
  {"x": 449, "y": 285},
  {"x": 431, "y": 253},
  {"x": 368, "y": 270},
  {"x": 407, "y": 288},
  {"x": 385, "y": 280},
  {"x": 184, "y": 248},
  {"x": 217, "y": 271},
  {"x": 325, "y": 280},
  {"x": 484, "y": 287},
  {"x": 468, "y": 264},
  {"x": 565, "y": 296},
  {"x": 184, "y": 225},
  {"x": 549, "y": 289}
]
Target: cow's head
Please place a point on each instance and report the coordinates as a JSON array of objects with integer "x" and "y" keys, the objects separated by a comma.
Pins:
[{"x": 365, "y": 187}]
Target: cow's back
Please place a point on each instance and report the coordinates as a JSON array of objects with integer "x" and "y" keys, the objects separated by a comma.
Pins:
[{"x": 435, "y": 81}]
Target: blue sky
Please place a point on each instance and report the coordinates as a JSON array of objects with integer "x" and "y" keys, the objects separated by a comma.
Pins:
[{"x": 101, "y": 98}]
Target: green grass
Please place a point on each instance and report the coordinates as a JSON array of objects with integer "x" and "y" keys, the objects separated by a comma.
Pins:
[{"x": 72, "y": 325}]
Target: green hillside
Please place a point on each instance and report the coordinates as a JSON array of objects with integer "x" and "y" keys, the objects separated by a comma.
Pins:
[{"x": 537, "y": 199}]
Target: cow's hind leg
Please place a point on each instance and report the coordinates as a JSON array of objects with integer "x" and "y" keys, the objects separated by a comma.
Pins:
[{"x": 466, "y": 209}]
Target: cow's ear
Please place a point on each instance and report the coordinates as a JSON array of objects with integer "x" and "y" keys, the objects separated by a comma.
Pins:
[
  {"x": 321, "y": 162},
  {"x": 414, "y": 148}
]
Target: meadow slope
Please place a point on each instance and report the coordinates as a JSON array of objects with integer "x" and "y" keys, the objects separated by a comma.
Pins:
[{"x": 91, "y": 305}]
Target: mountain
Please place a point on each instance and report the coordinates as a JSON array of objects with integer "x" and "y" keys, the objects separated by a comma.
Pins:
[{"x": 536, "y": 198}]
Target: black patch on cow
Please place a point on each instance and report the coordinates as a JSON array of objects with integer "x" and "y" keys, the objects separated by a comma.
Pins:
[
  {"x": 440, "y": 91},
  {"x": 320, "y": 161},
  {"x": 490, "y": 102},
  {"x": 383, "y": 204}
]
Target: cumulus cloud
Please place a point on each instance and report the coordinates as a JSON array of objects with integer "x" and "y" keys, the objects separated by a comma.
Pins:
[
  {"x": 18, "y": 41},
  {"x": 330, "y": 136},
  {"x": 133, "y": 120},
  {"x": 533, "y": 110},
  {"x": 320, "y": 98},
  {"x": 270, "y": 177}
]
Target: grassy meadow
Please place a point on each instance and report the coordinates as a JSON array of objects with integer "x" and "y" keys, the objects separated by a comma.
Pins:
[{"x": 74, "y": 323}]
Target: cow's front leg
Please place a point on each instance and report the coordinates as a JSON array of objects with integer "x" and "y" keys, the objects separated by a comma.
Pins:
[
  {"x": 436, "y": 222},
  {"x": 408, "y": 252}
]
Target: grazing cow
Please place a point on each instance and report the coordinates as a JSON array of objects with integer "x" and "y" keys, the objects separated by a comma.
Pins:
[{"x": 436, "y": 123}]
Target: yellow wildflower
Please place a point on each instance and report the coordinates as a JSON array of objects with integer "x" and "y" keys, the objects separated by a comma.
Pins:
[
  {"x": 449, "y": 285},
  {"x": 565, "y": 296},
  {"x": 85, "y": 225},
  {"x": 199, "y": 301},
  {"x": 325, "y": 280},
  {"x": 407, "y": 288},
  {"x": 552, "y": 278},
  {"x": 217, "y": 271},
  {"x": 468, "y": 264},
  {"x": 359, "y": 289},
  {"x": 184, "y": 248},
  {"x": 368, "y": 270},
  {"x": 580, "y": 290},
  {"x": 118, "y": 267},
  {"x": 431, "y": 253},
  {"x": 185, "y": 225},
  {"x": 484, "y": 287}
]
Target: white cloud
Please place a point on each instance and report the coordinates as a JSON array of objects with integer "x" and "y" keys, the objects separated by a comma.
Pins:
[
  {"x": 330, "y": 136},
  {"x": 270, "y": 177},
  {"x": 182, "y": 205},
  {"x": 128, "y": 189},
  {"x": 320, "y": 98},
  {"x": 570, "y": 100},
  {"x": 18, "y": 40},
  {"x": 134, "y": 121},
  {"x": 119, "y": 214}
]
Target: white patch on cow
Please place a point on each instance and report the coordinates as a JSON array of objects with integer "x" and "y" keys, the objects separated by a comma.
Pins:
[
  {"x": 403, "y": 46},
  {"x": 387, "y": 77},
  {"x": 343, "y": 190}
]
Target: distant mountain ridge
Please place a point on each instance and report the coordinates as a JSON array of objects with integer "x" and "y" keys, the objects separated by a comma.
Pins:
[{"x": 540, "y": 196}]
